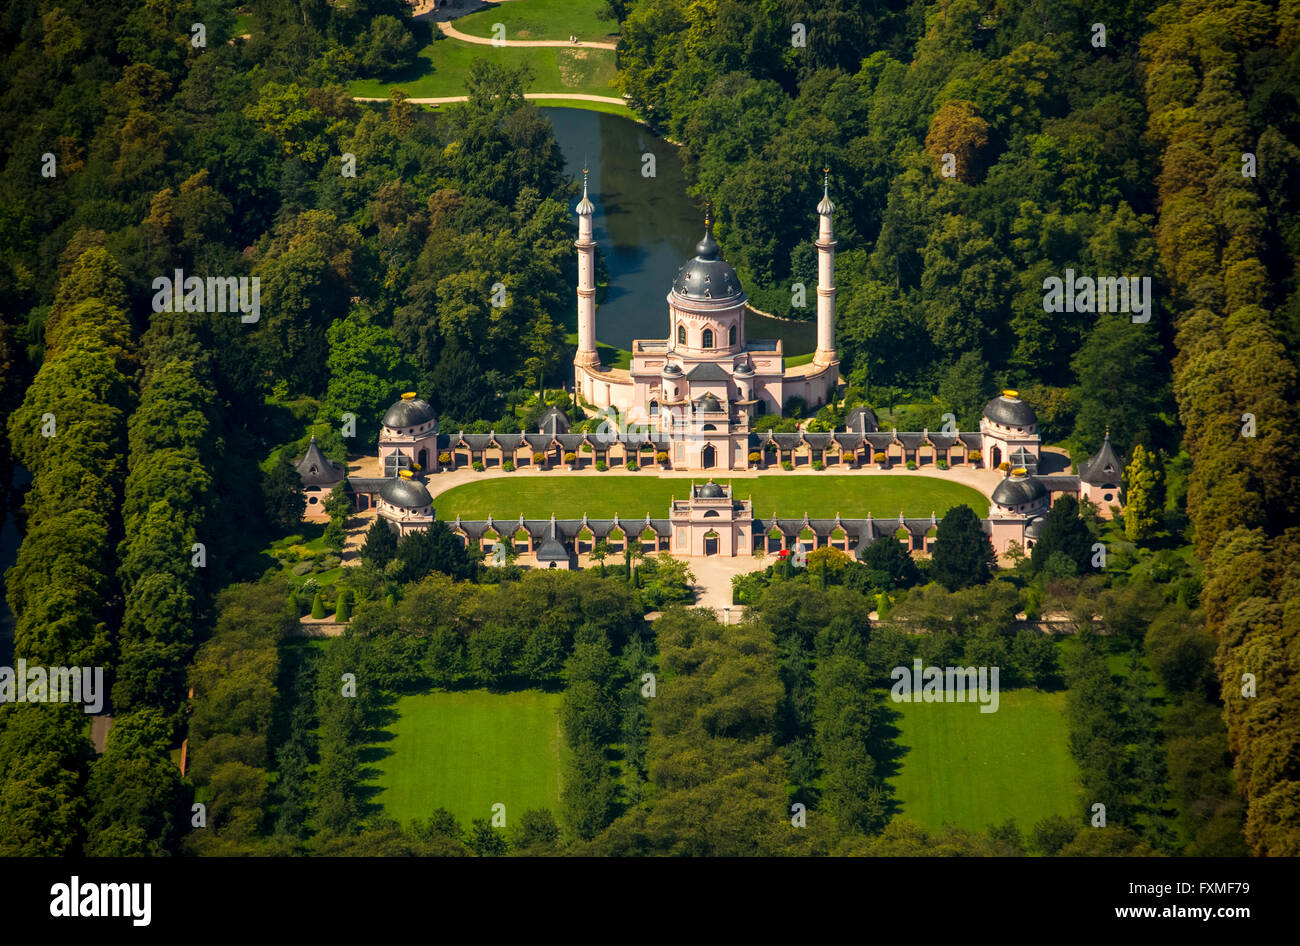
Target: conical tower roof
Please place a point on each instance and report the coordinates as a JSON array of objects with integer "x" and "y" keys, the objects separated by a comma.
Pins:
[
  {"x": 316, "y": 469},
  {"x": 1105, "y": 467}
]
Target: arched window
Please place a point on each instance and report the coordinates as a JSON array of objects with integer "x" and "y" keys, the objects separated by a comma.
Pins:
[
  {"x": 654, "y": 408},
  {"x": 731, "y": 335},
  {"x": 681, "y": 335},
  {"x": 708, "y": 338}
]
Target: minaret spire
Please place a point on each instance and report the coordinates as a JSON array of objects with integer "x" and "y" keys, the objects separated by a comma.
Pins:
[
  {"x": 586, "y": 357},
  {"x": 825, "y": 354}
]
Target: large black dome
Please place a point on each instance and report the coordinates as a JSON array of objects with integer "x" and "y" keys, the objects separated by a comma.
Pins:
[
  {"x": 711, "y": 490},
  {"x": 1019, "y": 490},
  {"x": 405, "y": 493},
  {"x": 1009, "y": 411},
  {"x": 408, "y": 412},
  {"x": 707, "y": 276}
]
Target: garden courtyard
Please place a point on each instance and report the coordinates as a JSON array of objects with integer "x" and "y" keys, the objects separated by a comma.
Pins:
[
  {"x": 970, "y": 769},
  {"x": 469, "y": 750},
  {"x": 633, "y": 495}
]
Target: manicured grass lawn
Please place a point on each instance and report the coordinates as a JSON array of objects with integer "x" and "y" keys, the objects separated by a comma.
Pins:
[
  {"x": 632, "y": 495},
  {"x": 542, "y": 19},
  {"x": 974, "y": 769},
  {"x": 444, "y": 64},
  {"x": 469, "y": 750}
]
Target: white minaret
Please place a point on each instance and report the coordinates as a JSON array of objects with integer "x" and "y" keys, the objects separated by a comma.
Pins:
[
  {"x": 826, "y": 354},
  {"x": 586, "y": 245}
]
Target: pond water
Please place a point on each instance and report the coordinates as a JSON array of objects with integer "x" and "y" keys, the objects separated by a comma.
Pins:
[{"x": 646, "y": 227}]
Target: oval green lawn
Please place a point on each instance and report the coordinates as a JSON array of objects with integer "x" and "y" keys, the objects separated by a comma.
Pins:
[
  {"x": 632, "y": 495},
  {"x": 542, "y": 19},
  {"x": 443, "y": 66}
]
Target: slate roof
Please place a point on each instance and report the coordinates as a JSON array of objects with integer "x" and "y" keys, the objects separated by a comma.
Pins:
[
  {"x": 315, "y": 469},
  {"x": 862, "y": 420},
  {"x": 1105, "y": 467},
  {"x": 552, "y": 548},
  {"x": 554, "y": 421},
  {"x": 708, "y": 372}
]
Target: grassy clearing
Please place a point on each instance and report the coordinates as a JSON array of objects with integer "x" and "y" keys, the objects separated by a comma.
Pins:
[
  {"x": 467, "y": 751},
  {"x": 444, "y": 64},
  {"x": 632, "y": 495},
  {"x": 542, "y": 19},
  {"x": 973, "y": 769}
]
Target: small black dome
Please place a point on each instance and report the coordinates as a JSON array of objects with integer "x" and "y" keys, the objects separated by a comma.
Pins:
[
  {"x": 1035, "y": 527},
  {"x": 708, "y": 403},
  {"x": 408, "y": 412},
  {"x": 1009, "y": 411},
  {"x": 405, "y": 493},
  {"x": 671, "y": 370},
  {"x": 1019, "y": 490},
  {"x": 711, "y": 490}
]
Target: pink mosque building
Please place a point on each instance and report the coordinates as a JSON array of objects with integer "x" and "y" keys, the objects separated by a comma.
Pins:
[
  {"x": 691, "y": 399},
  {"x": 703, "y": 385}
]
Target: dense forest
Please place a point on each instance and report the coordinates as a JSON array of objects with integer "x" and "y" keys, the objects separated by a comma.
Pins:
[{"x": 975, "y": 149}]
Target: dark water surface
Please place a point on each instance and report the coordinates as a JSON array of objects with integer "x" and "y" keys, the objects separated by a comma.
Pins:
[{"x": 646, "y": 227}]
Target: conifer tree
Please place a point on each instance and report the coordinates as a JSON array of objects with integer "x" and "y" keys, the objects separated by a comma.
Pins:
[{"x": 1142, "y": 501}]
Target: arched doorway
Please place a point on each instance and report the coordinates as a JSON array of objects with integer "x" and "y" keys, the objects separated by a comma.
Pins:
[
  {"x": 708, "y": 457},
  {"x": 422, "y": 458},
  {"x": 996, "y": 457},
  {"x": 710, "y": 543}
]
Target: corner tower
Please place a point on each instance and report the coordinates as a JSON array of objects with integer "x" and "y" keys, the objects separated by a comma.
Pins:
[{"x": 826, "y": 354}]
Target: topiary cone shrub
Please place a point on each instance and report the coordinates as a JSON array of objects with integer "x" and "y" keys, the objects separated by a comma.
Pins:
[
  {"x": 343, "y": 613},
  {"x": 317, "y": 607}
]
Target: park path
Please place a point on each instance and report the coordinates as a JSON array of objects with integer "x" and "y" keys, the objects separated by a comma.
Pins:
[
  {"x": 446, "y": 99},
  {"x": 454, "y": 33}
]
